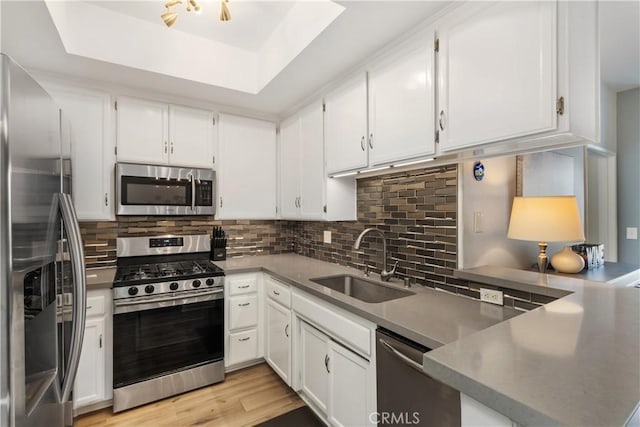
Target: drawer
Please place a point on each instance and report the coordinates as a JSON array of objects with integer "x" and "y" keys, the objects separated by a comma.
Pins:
[
  {"x": 242, "y": 284},
  {"x": 278, "y": 291},
  {"x": 95, "y": 306},
  {"x": 243, "y": 346},
  {"x": 243, "y": 311}
]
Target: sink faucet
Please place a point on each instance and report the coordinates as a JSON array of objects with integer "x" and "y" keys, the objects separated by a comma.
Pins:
[{"x": 384, "y": 274}]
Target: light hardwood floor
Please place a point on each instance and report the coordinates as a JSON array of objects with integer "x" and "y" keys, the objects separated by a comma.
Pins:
[{"x": 245, "y": 398}]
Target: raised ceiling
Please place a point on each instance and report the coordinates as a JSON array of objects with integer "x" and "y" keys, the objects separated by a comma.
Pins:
[{"x": 30, "y": 36}]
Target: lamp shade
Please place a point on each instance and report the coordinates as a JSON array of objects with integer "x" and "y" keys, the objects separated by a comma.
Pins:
[{"x": 546, "y": 219}]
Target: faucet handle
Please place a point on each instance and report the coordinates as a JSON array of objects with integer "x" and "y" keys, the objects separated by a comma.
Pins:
[{"x": 393, "y": 270}]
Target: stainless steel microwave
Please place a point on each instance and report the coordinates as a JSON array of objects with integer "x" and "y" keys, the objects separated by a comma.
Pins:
[{"x": 164, "y": 190}]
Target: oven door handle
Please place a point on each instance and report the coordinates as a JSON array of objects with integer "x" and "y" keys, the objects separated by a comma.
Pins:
[{"x": 185, "y": 298}]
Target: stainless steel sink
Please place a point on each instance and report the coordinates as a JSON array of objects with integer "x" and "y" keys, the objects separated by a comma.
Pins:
[{"x": 362, "y": 289}]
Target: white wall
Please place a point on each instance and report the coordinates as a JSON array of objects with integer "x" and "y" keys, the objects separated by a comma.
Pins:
[
  {"x": 493, "y": 197},
  {"x": 628, "y": 173}
]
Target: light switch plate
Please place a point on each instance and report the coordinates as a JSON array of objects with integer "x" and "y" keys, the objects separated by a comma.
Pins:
[
  {"x": 327, "y": 236},
  {"x": 477, "y": 222},
  {"x": 489, "y": 295},
  {"x": 632, "y": 233}
]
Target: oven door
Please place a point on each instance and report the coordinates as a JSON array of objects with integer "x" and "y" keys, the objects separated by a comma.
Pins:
[
  {"x": 164, "y": 190},
  {"x": 156, "y": 338}
]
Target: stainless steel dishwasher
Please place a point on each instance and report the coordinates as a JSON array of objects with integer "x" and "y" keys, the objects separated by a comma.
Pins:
[{"x": 406, "y": 395}]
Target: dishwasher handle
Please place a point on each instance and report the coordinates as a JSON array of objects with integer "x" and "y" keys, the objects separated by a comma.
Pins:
[{"x": 400, "y": 355}]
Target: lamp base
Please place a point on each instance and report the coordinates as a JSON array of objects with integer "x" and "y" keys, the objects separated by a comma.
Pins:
[
  {"x": 567, "y": 261},
  {"x": 543, "y": 259}
]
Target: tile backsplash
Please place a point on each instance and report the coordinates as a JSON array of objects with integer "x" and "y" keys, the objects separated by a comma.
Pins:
[
  {"x": 416, "y": 210},
  {"x": 244, "y": 237}
]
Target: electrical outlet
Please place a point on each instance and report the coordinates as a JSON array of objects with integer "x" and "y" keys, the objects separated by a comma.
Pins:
[
  {"x": 489, "y": 295},
  {"x": 327, "y": 236},
  {"x": 632, "y": 233}
]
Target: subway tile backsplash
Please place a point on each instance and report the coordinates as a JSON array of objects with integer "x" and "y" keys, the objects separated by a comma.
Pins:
[{"x": 416, "y": 210}]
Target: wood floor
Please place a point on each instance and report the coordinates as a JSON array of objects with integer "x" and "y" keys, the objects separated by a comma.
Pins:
[{"x": 245, "y": 398}]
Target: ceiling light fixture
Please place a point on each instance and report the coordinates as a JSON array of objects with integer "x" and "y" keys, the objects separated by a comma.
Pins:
[
  {"x": 169, "y": 17},
  {"x": 225, "y": 15}
]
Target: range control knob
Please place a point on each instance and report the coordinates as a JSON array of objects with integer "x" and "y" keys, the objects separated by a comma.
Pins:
[
  {"x": 196, "y": 283},
  {"x": 133, "y": 291},
  {"x": 149, "y": 289},
  {"x": 210, "y": 282},
  {"x": 173, "y": 286}
]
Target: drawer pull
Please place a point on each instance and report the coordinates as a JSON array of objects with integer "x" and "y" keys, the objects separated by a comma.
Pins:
[
  {"x": 89, "y": 307},
  {"x": 243, "y": 287},
  {"x": 244, "y": 339},
  {"x": 276, "y": 293},
  {"x": 244, "y": 305}
]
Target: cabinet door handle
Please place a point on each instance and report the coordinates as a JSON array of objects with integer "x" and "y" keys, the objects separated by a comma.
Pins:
[
  {"x": 171, "y": 147},
  {"x": 165, "y": 147},
  {"x": 106, "y": 199},
  {"x": 371, "y": 140},
  {"x": 362, "y": 143},
  {"x": 326, "y": 363},
  {"x": 220, "y": 201},
  {"x": 100, "y": 340},
  {"x": 244, "y": 339},
  {"x": 276, "y": 293},
  {"x": 441, "y": 120},
  {"x": 244, "y": 305},
  {"x": 286, "y": 330}
]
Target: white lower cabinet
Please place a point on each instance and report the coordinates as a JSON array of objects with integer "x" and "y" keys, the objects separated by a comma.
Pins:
[
  {"x": 278, "y": 339},
  {"x": 93, "y": 383},
  {"x": 336, "y": 376},
  {"x": 475, "y": 414},
  {"x": 314, "y": 368},
  {"x": 349, "y": 383},
  {"x": 243, "y": 310}
]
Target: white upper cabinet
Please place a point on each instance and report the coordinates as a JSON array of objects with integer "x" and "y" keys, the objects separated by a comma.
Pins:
[
  {"x": 289, "y": 150},
  {"x": 247, "y": 168},
  {"x": 191, "y": 134},
  {"x": 401, "y": 105},
  {"x": 346, "y": 127},
  {"x": 142, "y": 131},
  {"x": 305, "y": 190},
  {"x": 92, "y": 149},
  {"x": 156, "y": 133},
  {"x": 497, "y": 73},
  {"x": 312, "y": 173}
]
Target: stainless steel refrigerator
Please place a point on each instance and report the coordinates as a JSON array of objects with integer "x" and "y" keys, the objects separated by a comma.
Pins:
[{"x": 42, "y": 273}]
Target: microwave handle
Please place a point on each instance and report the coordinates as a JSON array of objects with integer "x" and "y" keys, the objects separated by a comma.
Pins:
[{"x": 193, "y": 194}]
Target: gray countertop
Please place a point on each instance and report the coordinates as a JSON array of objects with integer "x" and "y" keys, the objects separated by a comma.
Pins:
[
  {"x": 431, "y": 318},
  {"x": 575, "y": 361},
  {"x": 100, "y": 277}
]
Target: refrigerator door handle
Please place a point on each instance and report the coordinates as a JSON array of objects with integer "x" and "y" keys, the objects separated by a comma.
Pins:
[{"x": 74, "y": 240}]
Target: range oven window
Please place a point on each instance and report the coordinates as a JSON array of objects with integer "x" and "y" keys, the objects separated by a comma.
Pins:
[
  {"x": 155, "y": 192},
  {"x": 156, "y": 342}
]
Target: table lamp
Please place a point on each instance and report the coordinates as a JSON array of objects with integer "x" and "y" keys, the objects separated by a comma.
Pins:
[{"x": 546, "y": 219}]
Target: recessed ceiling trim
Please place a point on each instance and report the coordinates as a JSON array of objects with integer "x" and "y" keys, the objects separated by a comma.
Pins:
[{"x": 99, "y": 33}]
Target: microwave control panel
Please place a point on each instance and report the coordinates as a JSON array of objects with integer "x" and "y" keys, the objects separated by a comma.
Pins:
[{"x": 204, "y": 193}]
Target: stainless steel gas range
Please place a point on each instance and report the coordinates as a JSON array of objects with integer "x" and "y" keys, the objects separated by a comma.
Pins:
[{"x": 168, "y": 327}]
